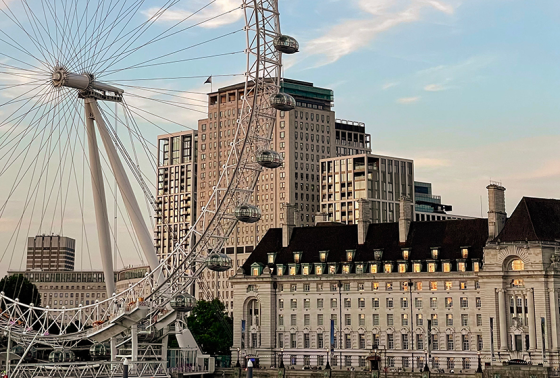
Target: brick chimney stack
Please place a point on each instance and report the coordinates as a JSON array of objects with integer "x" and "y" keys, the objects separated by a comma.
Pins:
[
  {"x": 405, "y": 218},
  {"x": 364, "y": 219}
]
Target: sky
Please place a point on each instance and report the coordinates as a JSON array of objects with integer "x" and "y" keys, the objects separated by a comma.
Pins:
[{"x": 465, "y": 88}]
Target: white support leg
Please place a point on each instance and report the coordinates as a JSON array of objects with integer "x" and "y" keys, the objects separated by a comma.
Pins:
[
  {"x": 134, "y": 342},
  {"x": 142, "y": 233},
  {"x": 99, "y": 200},
  {"x": 113, "y": 349}
]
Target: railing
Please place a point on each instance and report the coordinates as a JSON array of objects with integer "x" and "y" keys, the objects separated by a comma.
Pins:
[{"x": 137, "y": 369}]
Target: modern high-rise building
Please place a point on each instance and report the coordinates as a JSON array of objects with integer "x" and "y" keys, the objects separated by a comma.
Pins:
[
  {"x": 428, "y": 207},
  {"x": 176, "y": 189},
  {"x": 380, "y": 179},
  {"x": 50, "y": 253},
  {"x": 351, "y": 138},
  {"x": 302, "y": 136}
]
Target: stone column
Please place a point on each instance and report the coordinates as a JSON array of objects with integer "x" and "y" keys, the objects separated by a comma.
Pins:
[
  {"x": 532, "y": 330},
  {"x": 553, "y": 318},
  {"x": 503, "y": 319}
]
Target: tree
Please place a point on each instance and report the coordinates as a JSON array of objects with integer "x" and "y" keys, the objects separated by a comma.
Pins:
[
  {"x": 211, "y": 327},
  {"x": 17, "y": 286}
]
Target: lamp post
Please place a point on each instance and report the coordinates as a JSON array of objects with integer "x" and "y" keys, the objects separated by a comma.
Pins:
[
  {"x": 410, "y": 283},
  {"x": 376, "y": 363},
  {"x": 426, "y": 368},
  {"x": 237, "y": 364},
  {"x": 328, "y": 365},
  {"x": 281, "y": 358},
  {"x": 479, "y": 368}
]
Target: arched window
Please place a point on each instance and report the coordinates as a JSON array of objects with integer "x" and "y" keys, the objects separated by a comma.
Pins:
[{"x": 517, "y": 265}]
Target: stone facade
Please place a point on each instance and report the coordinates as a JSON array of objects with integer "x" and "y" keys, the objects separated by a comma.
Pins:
[{"x": 446, "y": 292}]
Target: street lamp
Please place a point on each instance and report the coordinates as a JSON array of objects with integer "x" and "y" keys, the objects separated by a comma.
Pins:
[
  {"x": 376, "y": 361},
  {"x": 328, "y": 366},
  {"x": 281, "y": 358},
  {"x": 479, "y": 369},
  {"x": 426, "y": 368},
  {"x": 410, "y": 283},
  {"x": 237, "y": 364}
]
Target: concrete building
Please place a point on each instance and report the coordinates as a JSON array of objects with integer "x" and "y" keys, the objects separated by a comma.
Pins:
[
  {"x": 351, "y": 138},
  {"x": 177, "y": 185},
  {"x": 302, "y": 136},
  {"x": 428, "y": 207},
  {"x": 405, "y": 292},
  {"x": 50, "y": 253},
  {"x": 382, "y": 180}
]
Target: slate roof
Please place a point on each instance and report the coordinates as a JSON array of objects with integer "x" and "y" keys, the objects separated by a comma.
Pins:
[
  {"x": 449, "y": 236},
  {"x": 534, "y": 219}
]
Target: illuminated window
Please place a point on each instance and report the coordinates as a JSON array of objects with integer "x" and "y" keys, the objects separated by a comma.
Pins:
[
  {"x": 402, "y": 268},
  {"x": 419, "y": 285},
  {"x": 461, "y": 266},
  {"x": 297, "y": 257},
  {"x": 375, "y": 286},
  {"x": 280, "y": 270},
  {"x": 323, "y": 256},
  {"x": 447, "y": 267},
  {"x": 448, "y": 285},
  {"x": 435, "y": 253},
  {"x": 417, "y": 267},
  {"x": 318, "y": 270},
  {"x": 431, "y": 267},
  {"x": 350, "y": 255},
  {"x": 332, "y": 269},
  {"x": 271, "y": 257},
  {"x": 463, "y": 285},
  {"x": 359, "y": 268},
  {"x": 433, "y": 285},
  {"x": 517, "y": 265},
  {"x": 292, "y": 271},
  {"x": 389, "y": 286},
  {"x": 373, "y": 268},
  {"x": 476, "y": 266},
  {"x": 465, "y": 252},
  {"x": 305, "y": 270},
  {"x": 517, "y": 283},
  {"x": 255, "y": 271},
  {"x": 405, "y": 253},
  {"x": 346, "y": 268},
  {"x": 387, "y": 268}
]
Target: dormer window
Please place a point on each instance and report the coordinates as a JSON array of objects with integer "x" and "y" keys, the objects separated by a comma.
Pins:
[
  {"x": 305, "y": 269},
  {"x": 435, "y": 253},
  {"x": 297, "y": 257},
  {"x": 280, "y": 269},
  {"x": 359, "y": 268},
  {"x": 373, "y": 268},
  {"x": 447, "y": 267},
  {"x": 346, "y": 268},
  {"x": 417, "y": 267},
  {"x": 461, "y": 266},
  {"x": 256, "y": 269},
  {"x": 388, "y": 268},
  {"x": 378, "y": 254},
  {"x": 405, "y": 253},
  {"x": 350, "y": 255},
  {"x": 476, "y": 266},
  {"x": 465, "y": 252},
  {"x": 319, "y": 269},
  {"x": 432, "y": 267},
  {"x": 403, "y": 267},
  {"x": 323, "y": 256},
  {"x": 271, "y": 257},
  {"x": 332, "y": 268},
  {"x": 293, "y": 269}
]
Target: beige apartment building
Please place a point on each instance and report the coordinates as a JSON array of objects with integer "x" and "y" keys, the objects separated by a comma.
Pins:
[
  {"x": 302, "y": 136},
  {"x": 382, "y": 180},
  {"x": 176, "y": 189}
]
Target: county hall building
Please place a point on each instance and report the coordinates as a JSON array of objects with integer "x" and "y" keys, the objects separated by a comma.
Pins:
[{"x": 404, "y": 293}]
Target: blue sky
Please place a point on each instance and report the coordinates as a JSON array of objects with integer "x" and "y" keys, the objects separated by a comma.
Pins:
[{"x": 466, "y": 88}]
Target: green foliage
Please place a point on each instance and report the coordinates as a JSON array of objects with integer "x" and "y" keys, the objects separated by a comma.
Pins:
[
  {"x": 17, "y": 286},
  {"x": 211, "y": 327}
]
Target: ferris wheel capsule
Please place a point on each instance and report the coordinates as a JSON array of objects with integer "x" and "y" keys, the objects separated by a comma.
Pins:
[
  {"x": 183, "y": 302},
  {"x": 286, "y": 44},
  {"x": 283, "y": 102},
  {"x": 218, "y": 262},
  {"x": 98, "y": 351},
  {"x": 247, "y": 213},
  {"x": 269, "y": 159}
]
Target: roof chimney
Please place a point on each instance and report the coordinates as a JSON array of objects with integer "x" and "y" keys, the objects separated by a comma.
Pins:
[
  {"x": 496, "y": 209},
  {"x": 405, "y": 217},
  {"x": 364, "y": 219},
  {"x": 321, "y": 217},
  {"x": 290, "y": 223}
]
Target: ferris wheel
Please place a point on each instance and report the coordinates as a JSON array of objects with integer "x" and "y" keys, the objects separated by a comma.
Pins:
[{"x": 85, "y": 86}]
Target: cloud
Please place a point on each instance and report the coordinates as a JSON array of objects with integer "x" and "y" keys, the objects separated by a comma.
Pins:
[
  {"x": 389, "y": 85},
  {"x": 218, "y": 12},
  {"x": 352, "y": 35},
  {"x": 434, "y": 88},
  {"x": 408, "y": 100},
  {"x": 427, "y": 163}
]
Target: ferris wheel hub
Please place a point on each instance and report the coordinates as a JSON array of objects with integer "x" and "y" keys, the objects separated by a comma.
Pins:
[{"x": 86, "y": 84}]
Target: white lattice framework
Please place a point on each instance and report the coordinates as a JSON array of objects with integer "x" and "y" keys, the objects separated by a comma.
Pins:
[{"x": 147, "y": 301}]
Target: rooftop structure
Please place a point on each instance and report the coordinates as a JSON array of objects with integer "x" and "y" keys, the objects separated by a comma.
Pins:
[{"x": 50, "y": 253}]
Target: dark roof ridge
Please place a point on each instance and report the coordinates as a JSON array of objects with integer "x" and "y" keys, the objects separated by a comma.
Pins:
[{"x": 524, "y": 200}]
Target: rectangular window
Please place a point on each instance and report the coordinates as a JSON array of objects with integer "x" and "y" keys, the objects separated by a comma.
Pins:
[
  {"x": 375, "y": 302},
  {"x": 465, "y": 341},
  {"x": 293, "y": 303},
  {"x": 293, "y": 319},
  {"x": 306, "y": 319},
  {"x": 479, "y": 344},
  {"x": 449, "y": 319},
  {"x": 281, "y": 320},
  {"x": 362, "y": 341},
  {"x": 463, "y": 285},
  {"x": 390, "y": 342},
  {"x": 433, "y": 285},
  {"x": 449, "y": 339},
  {"x": 362, "y": 319},
  {"x": 478, "y": 302},
  {"x": 448, "y": 285},
  {"x": 306, "y": 303},
  {"x": 319, "y": 302},
  {"x": 320, "y": 341},
  {"x": 464, "y": 320},
  {"x": 319, "y": 319},
  {"x": 433, "y": 302},
  {"x": 418, "y": 302},
  {"x": 333, "y": 303},
  {"x": 306, "y": 287},
  {"x": 347, "y": 319},
  {"x": 478, "y": 320},
  {"x": 404, "y": 343},
  {"x": 293, "y": 287},
  {"x": 389, "y": 319},
  {"x": 389, "y": 302},
  {"x": 361, "y": 302},
  {"x": 448, "y": 302},
  {"x": 280, "y": 340},
  {"x": 435, "y": 342},
  {"x": 347, "y": 303},
  {"x": 419, "y": 320},
  {"x": 404, "y": 302},
  {"x": 404, "y": 319},
  {"x": 419, "y": 342},
  {"x": 375, "y": 319},
  {"x": 464, "y": 302},
  {"x": 293, "y": 342},
  {"x": 348, "y": 341},
  {"x": 434, "y": 320},
  {"x": 306, "y": 342},
  {"x": 280, "y": 303}
]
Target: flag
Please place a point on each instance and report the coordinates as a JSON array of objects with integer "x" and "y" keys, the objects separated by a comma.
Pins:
[{"x": 209, "y": 80}]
